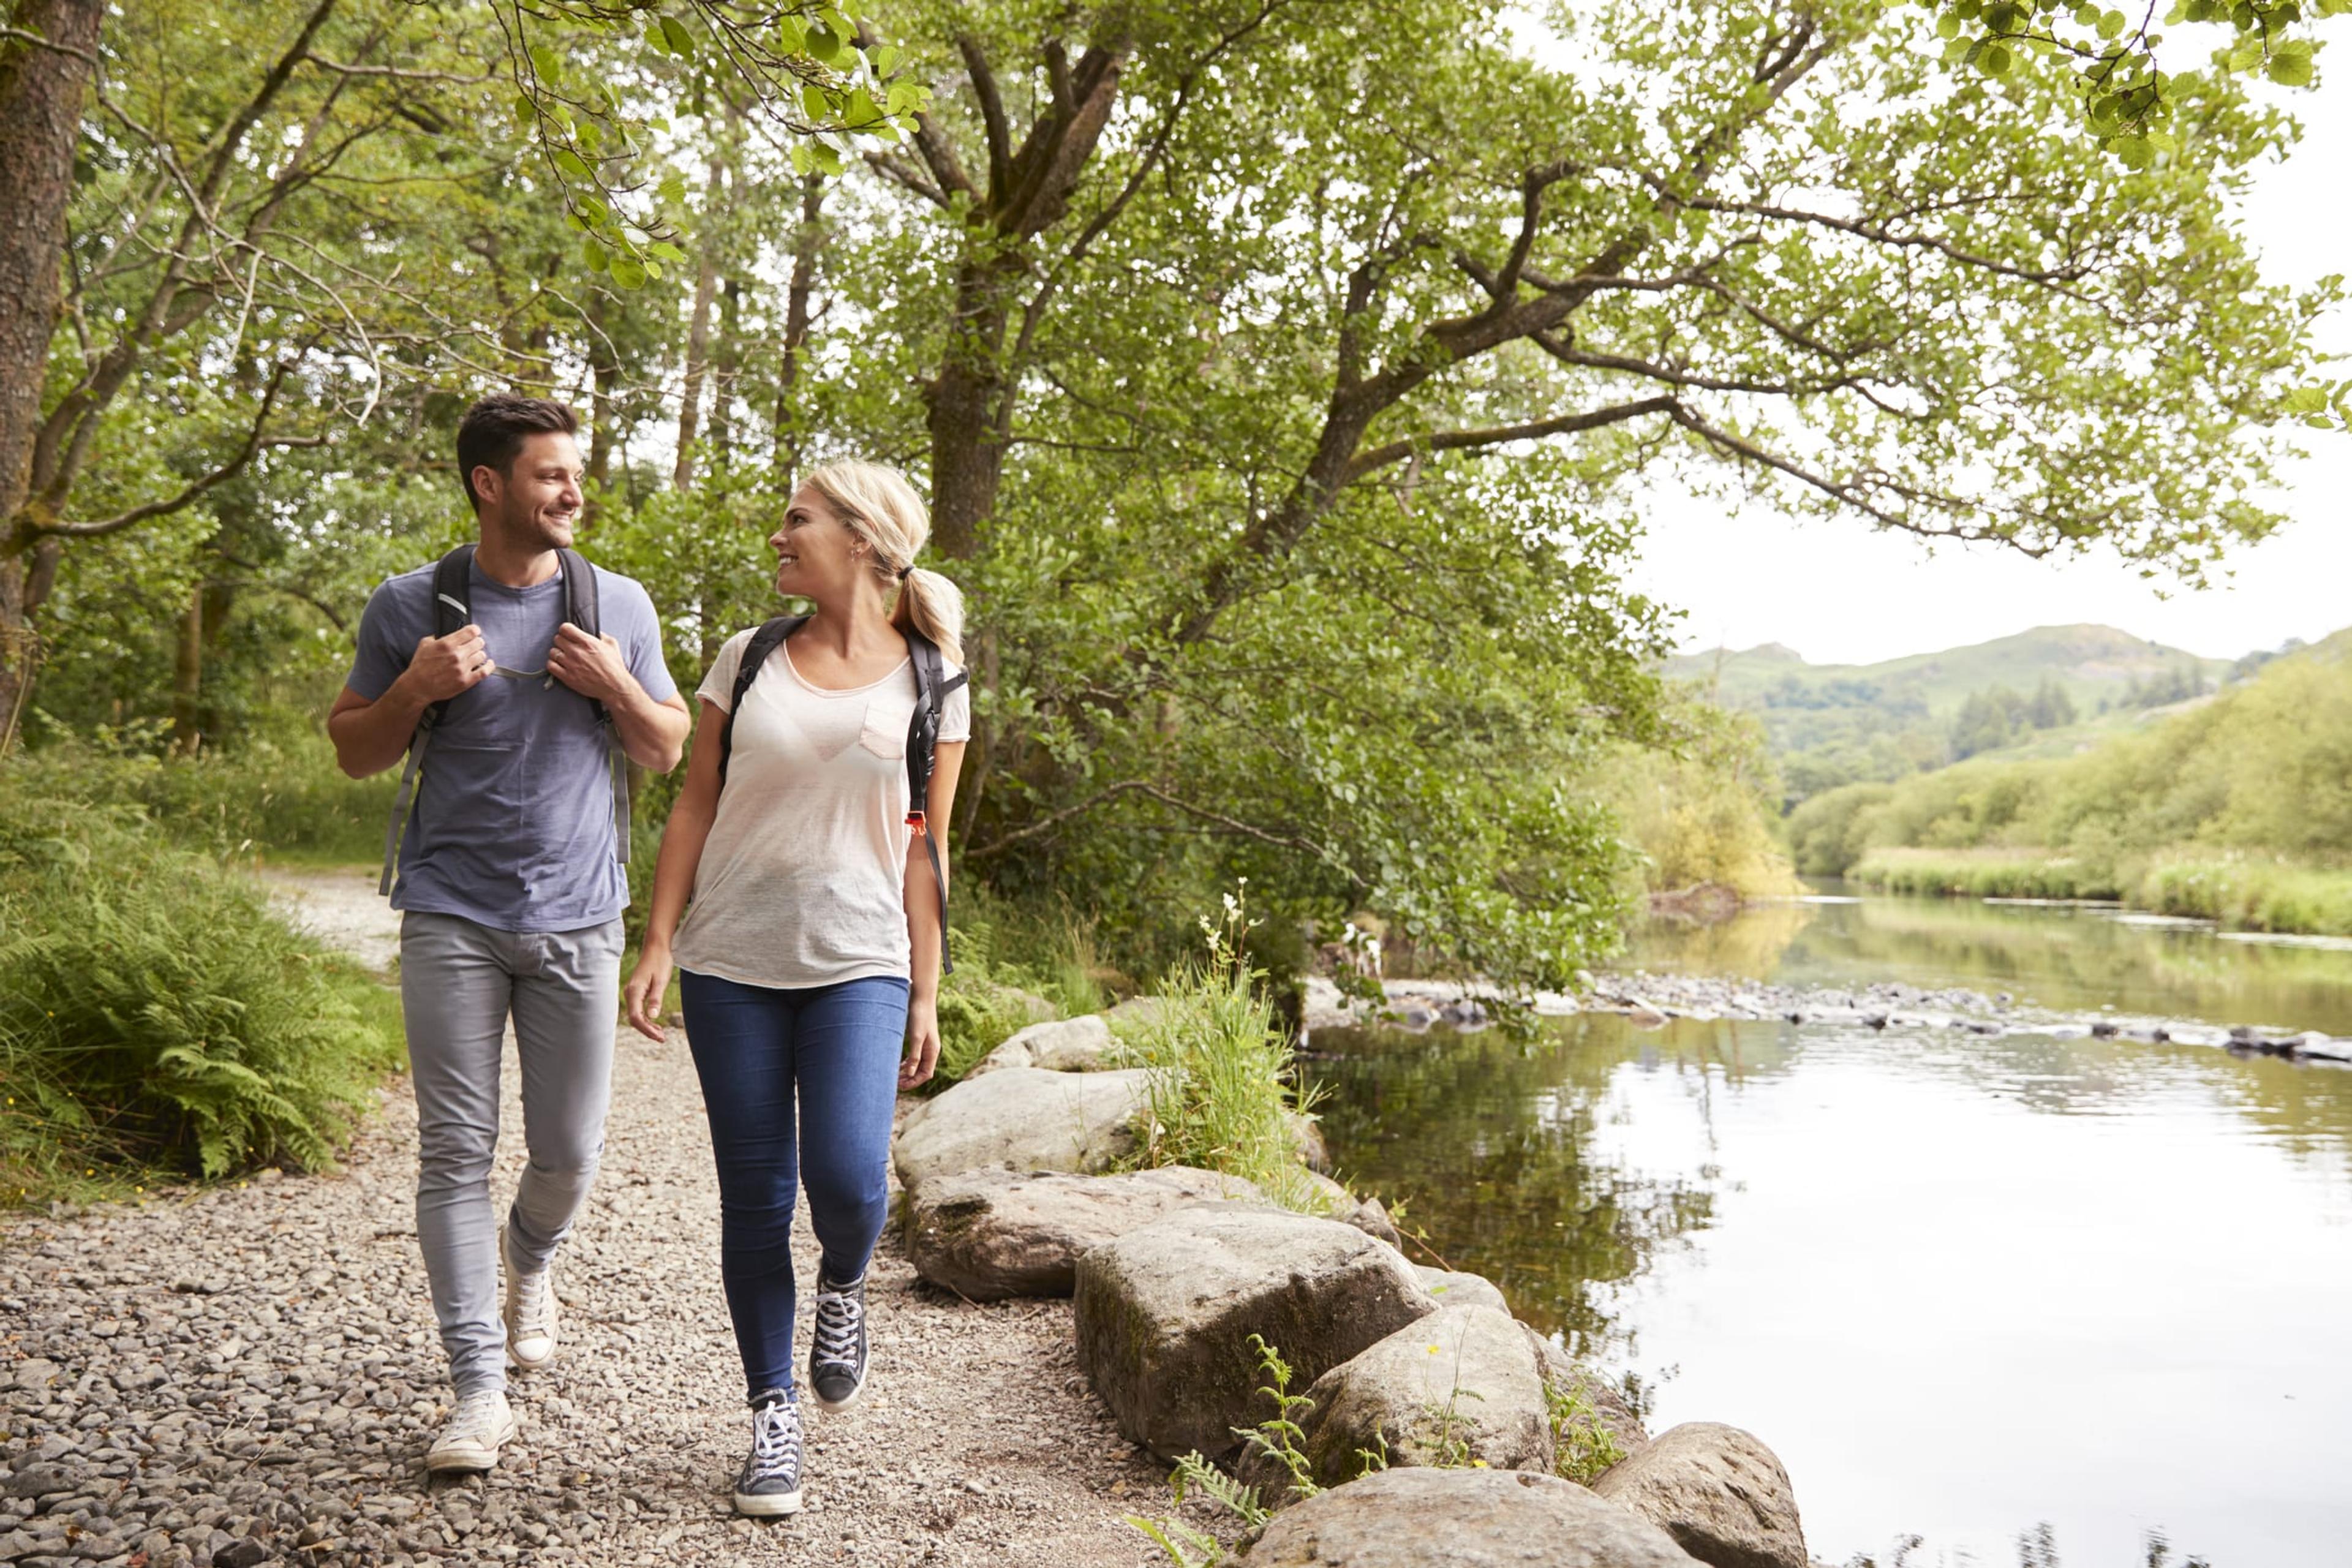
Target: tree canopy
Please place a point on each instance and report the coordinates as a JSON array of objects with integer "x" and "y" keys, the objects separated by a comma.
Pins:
[{"x": 1284, "y": 373}]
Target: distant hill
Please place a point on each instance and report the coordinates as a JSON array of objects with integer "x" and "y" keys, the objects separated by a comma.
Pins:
[{"x": 1830, "y": 724}]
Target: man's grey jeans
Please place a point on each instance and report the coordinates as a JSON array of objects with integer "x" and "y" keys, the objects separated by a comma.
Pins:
[{"x": 457, "y": 982}]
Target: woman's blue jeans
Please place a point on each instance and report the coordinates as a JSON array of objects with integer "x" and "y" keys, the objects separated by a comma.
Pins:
[{"x": 836, "y": 1050}]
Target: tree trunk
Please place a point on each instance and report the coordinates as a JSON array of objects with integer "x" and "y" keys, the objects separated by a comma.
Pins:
[
  {"x": 726, "y": 359},
  {"x": 41, "y": 89},
  {"x": 604, "y": 411},
  {"x": 188, "y": 678},
  {"x": 967, "y": 404},
  {"x": 697, "y": 330},
  {"x": 807, "y": 241}
]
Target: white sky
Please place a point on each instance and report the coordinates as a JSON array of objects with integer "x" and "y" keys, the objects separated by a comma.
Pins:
[{"x": 1838, "y": 593}]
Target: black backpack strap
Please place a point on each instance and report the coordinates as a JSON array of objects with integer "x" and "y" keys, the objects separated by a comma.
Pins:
[
  {"x": 453, "y": 597},
  {"x": 580, "y": 609},
  {"x": 932, "y": 684},
  {"x": 763, "y": 642}
]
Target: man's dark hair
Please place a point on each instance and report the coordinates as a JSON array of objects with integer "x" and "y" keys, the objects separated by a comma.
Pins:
[{"x": 493, "y": 431}]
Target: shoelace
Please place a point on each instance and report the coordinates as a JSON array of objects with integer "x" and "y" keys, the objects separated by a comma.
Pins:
[
  {"x": 838, "y": 1314},
  {"x": 776, "y": 1439},
  {"x": 475, "y": 1420},
  {"x": 530, "y": 1305}
]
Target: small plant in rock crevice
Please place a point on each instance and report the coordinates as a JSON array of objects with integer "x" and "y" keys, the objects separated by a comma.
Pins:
[{"x": 1582, "y": 1446}]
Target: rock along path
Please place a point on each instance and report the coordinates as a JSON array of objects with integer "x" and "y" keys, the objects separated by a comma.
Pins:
[{"x": 249, "y": 1372}]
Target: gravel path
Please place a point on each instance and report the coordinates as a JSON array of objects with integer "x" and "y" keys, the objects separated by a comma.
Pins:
[{"x": 250, "y": 1373}]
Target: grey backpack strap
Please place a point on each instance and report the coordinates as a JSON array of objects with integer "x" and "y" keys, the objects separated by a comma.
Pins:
[
  {"x": 452, "y": 610},
  {"x": 580, "y": 609}
]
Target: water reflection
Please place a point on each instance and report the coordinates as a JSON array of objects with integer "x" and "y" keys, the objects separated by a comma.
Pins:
[
  {"x": 1963, "y": 1284},
  {"x": 1486, "y": 1144}
]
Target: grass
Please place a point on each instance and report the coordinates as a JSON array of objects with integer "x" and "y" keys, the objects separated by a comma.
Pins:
[
  {"x": 1986, "y": 874},
  {"x": 156, "y": 1019},
  {"x": 2240, "y": 893},
  {"x": 1222, "y": 1094},
  {"x": 1014, "y": 967}
]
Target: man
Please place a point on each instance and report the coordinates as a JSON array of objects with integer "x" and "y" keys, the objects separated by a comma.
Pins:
[{"x": 509, "y": 879}]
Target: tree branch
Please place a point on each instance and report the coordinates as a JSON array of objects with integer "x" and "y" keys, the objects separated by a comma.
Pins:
[
  {"x": 1495, "y": 435},
  {"x": 992, "y": 114},
  {"x": 254, "y": 443}
]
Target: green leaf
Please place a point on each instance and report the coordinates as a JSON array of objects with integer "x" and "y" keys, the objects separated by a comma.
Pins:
[
  {"x": 593, "y": 252},
  {"x": 526, "y": 111},
  {"x": 680, "y": 41},
  {"x": 1948, "y": 26},
  {"x": 824, "y": 45},
  {"x": 546, "y": 63},
  {"x": 861, "y": 110},
  {"x": 2291, "y": 63},
  {"x": 791, "y": 35},
  {"x": 886, "y": 59},
  {"x": 826, "y": 157},
  {"x": 628, "y": 273},
  {"x": 570, "y": 164},
  {"x": 665, "y": 250},
  {"x": 815, "y": 103},
  {"x": 671, "y": 192},
  {"x": 1994, "y": 61},
  {"x": 2111, "y": 25}
]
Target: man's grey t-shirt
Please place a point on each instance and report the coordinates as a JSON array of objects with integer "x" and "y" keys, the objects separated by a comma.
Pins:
[{"x": 513, "y": 825}]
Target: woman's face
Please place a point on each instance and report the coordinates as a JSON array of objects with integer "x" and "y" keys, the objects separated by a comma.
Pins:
[{"x": 818, "y": 554}]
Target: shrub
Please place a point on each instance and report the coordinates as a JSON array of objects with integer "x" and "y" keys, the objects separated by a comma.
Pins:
[{"x": 154, "y": 1010}]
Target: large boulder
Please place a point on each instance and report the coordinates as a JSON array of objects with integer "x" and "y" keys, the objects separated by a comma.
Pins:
[
  {"x": 1461, "y": 1518},
  {"x": 987, "y": 1235},
  {"x": 1165, "y": 1315},
  {"x": 1062, "y": 1045},
  {"x": 1454, "y": 1288},
  {"x": 1592, "y": 1424},
  {"x": 1024, "y": 1119},
  {"x": 1718, "y": 1491},
  {"x": 1457, "y": 1387}
]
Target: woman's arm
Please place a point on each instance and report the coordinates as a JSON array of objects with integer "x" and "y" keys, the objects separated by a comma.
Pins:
[
  {"x": 681, "y": 853},
  {"x": 923, "y": 933}
]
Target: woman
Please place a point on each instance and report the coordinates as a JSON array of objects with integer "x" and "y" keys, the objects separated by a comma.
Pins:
[{"x": 811, "y": 954}]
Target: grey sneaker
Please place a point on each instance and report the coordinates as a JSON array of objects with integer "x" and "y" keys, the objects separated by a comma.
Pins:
[
  {"x": 837, "y": 1346},
  {"x": 529, "y": 1311},
  {"x": 480, "y": 1425},
  {"x": 770, "y": 1481}
]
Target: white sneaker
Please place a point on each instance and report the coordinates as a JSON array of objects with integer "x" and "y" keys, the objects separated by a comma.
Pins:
[
  {"x": 481, "y": 1424},
  {"x": 529, "y": 1311}
]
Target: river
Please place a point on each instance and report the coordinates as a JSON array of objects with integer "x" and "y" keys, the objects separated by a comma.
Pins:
[{"x": 2030, "y": 1298}]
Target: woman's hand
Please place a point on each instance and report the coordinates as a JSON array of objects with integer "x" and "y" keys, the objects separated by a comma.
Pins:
[
  {"x": 922, "y": 1043},
  {"x": 648, "y": 983}
]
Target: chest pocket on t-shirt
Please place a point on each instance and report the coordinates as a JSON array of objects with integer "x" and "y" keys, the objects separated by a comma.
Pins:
[{"x": 885, "y": 732}]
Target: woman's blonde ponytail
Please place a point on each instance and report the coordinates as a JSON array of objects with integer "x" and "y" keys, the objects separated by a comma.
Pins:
[{"x": 878, "y": 504}]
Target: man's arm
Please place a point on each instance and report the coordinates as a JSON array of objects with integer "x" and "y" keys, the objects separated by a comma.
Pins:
[
  {"x": 652, "y": 733},
  {"x": 370, "y": 737}
]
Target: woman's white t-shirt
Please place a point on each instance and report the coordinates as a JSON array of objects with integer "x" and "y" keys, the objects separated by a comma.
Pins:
[{"x": 803, "y": 878}]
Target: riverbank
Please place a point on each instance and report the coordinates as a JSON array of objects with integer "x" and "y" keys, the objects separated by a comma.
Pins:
[{"x": 1656, "y": 998}]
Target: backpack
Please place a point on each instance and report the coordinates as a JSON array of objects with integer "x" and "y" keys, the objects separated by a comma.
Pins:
[
  {"x": 452, "y": 612},
  {"x": 932, "y": 684}
]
